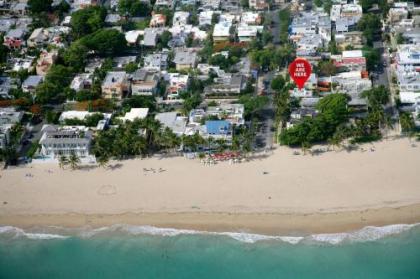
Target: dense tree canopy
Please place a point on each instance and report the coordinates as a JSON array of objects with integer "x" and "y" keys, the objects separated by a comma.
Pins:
[
  {"x": 332, "y": 113},
  {"x": 326, "y": 68},
  {"x": 87, "y": 21},
  {"x": 134, "y": 7},
  {"x": 3, "y": 50},
  {"x": 105, "y": 41},
  {"x": 370, "y": 25},
  {"x": 39, "y": 6},
  {"x": 75, "y": 56}
]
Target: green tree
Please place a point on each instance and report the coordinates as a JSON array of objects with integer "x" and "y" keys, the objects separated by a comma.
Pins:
[
  {"x": 376, "y": 96},
  {"x": 373, "y": 57},
  {"x": 63, "y": 161},
  {"x": 327, "y": 6},
  {"x": 92, "y": 120},
  {"x": 370, "y": 24},
  {"x": 76, "y": 56},
  {"x": 407, "y": 123},
  {"x": 131, "y": 67},
  {"x": 326, "y": 68},
  {"x": 164, "y": 38},
  {"x": 74, "y": 161},
  {"x": 39, "y": 6},
  {"x": 87, "y": 21},
  {"x": 3, "y": 51},
  {"x": 105, "y": 42},
  {"x": 134, "y": 8},
  {"x": 102, "y": 159}
]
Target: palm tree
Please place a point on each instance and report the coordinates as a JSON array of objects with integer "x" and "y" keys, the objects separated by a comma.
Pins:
[
  {"x": 103, "y": 160},
  {"x": 305, "y": 147},
  {"x": 153, "y": 126},
  {"x": 407, "y": 124},
  {"x": 62, "y": 161},
  {"x": 74, "y": 161}
]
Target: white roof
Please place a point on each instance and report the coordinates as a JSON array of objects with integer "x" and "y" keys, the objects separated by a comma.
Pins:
[
  {"x": 132, "y": 36},
  {"x": 221, "y": 29},
  {"x": 71, "y": 114},
  {"x": 352, "y": 53},
  {"x": 135, "y": 113},
  {"x": 409, "y": 97}
]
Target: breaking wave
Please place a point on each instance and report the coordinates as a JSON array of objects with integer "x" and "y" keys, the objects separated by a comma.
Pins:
[
  {"x": 17, "y": 232},
  {"x": 369, "y": 233}
]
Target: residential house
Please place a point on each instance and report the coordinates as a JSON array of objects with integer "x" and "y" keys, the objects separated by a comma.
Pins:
[
  {"x": 251, "y": 18},
  {"x": 205, "y": 18},
  {"x": 115, "y": 85},
  {"x": 177, "y": 83},
  {"x": 180, "y": 18},
  {"x": 297, "y": 115},
  {"x": 19, "y": 8},
  {"x": 134, "y": 114},
  {"x": 93, "y": 64},
  {"x": 221, "y": 32},
  {"x": 156, "y": 61},
  {"x": 113, "y": 19},
  {"x": 119, "y": 63},
  {"x": 185, "y": 59},
  {"x": 227, "y": 86},
  {"x": 82, "y": 82},
  {"x": 210, "y": 5},
  {"x": 132, "y": 36},
  {"x": 5, "y": 86},
  {"x": 5, "y": 135},
  {"x": 258, "y": 5},
  {"x": 397, "y": 14},
  {"x": 45, "y": 61},
  {"x": 233, "y": 113},
  {"x": 157, "y": 20},
  {"x": 37, "y": 38},
  {"x": 351, "y": 60},
  {"x": 164, "y": 4},
  {"x": 173, "y": 121},
  {"x": 354, "y": 39},
  {"x": 151, "y": 36},
  {"x": 31, "y": 83},
  {"x": 20, "y": 64},
  {"x": 247, "y": 33},
  {"x": 74, "y": 114},
  {"x": 57, "y": 141},
  {"x": 10, "y": 115},
  {"x": 144, "y": 82},
  {"x": 14, "y": 38},
  {"x": 218, "y": 130}
]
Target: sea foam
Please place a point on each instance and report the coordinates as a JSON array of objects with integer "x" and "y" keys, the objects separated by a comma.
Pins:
[
  {"x": 17, "y": 232},
  {"x": 369, "y": 233}
]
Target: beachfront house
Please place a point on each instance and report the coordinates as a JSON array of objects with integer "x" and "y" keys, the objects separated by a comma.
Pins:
[{"x": 65, "y": 140}]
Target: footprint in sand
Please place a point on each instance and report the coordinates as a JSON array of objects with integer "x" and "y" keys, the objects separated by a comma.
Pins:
[{"x": 107, "y": 190}]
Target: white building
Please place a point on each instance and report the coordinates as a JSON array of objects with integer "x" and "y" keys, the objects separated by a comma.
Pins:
[{"x": 66, "y": 140}]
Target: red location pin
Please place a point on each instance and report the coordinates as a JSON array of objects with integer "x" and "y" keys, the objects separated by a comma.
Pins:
[{"x": 299, "y": 71}]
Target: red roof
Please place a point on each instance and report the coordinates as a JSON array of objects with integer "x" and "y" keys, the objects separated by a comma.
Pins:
[{"x": 350, "y": 61}]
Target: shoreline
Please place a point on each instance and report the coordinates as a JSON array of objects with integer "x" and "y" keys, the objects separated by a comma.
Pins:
[
  {"x": 273, "y": 224},
  {"x": 336, "y": 191}
]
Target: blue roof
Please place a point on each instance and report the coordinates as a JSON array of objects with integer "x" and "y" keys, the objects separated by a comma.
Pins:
[{"x": 217, "y": 127}]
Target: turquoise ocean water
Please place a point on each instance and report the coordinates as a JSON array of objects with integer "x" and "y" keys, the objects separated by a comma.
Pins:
[{"x": 147, "y": 252}]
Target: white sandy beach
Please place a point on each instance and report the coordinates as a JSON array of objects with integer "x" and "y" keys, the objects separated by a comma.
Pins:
[{"x": 334, "y": 190}]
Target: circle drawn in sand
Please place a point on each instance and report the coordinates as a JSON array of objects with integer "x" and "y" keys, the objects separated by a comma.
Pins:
[{"x": 107, "y": 190}]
